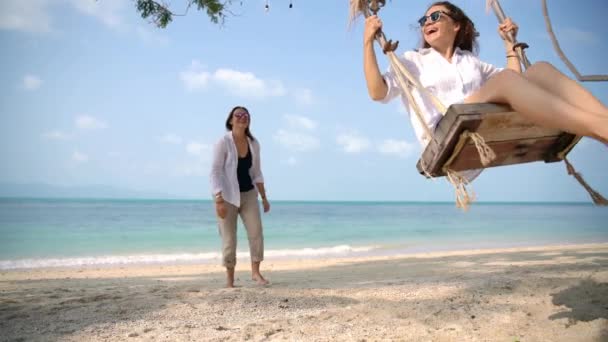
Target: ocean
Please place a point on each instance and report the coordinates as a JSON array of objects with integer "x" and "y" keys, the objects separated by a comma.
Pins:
[{"x": 96, "y": 232}]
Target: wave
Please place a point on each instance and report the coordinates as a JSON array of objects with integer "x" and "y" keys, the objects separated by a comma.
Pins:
[{"x": 111, "y": 260}]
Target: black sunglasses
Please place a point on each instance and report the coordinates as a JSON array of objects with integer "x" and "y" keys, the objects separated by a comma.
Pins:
[
  {"x": 240, "y": 115},
  {"x": 435, "y": 16}
]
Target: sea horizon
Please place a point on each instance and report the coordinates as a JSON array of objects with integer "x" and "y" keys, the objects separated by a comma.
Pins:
[{"x": 187, "y": 199}]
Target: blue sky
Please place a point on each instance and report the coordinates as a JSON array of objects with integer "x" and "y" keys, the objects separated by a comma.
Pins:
[{"x": 91, "y": 94}]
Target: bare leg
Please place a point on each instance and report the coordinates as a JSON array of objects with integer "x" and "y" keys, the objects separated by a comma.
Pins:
[
  {"x": 541, "y": 106},
  {"x": 549, "y": 78},
  {"x": 256, "y": 275},
  {"x": 229, "y": 276}
]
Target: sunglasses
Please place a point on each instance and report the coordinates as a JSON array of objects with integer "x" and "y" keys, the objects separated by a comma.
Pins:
[
  {"x": 435, "y": 16},
  {"x": 241, "y": 115}
]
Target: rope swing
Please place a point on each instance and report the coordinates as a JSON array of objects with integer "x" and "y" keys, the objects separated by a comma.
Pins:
[{"x": 407, "y": 82}]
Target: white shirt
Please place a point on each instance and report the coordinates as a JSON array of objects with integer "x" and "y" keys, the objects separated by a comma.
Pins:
[
  {"x": 449, "y": 82},
  {"x": 223, "y": 176}
]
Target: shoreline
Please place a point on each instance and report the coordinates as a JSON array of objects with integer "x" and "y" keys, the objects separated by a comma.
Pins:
[
  {"x": 243, "y": 257},
  {"x": 296, "y": 263},
  {"x": 550, "y": 293},
  {"x": 214, "y": 258}
]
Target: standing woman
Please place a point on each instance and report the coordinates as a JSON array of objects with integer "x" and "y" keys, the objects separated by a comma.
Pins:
[{"x": 235, "y": 175}]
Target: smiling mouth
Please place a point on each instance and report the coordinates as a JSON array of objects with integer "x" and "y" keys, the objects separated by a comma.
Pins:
[{"x": 431, "y": 30}]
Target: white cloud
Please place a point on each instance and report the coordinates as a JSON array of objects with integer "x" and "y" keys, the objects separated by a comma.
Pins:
[
  {"x": 194, "y": 78},
  {"x": 34, "y": 16},
  {"x": 298, "y": 121},
  {"x": 303, "y": 96},
  {"x": 353, "y": 142},
  {"x": 399, "y": 148},
  {"x": 31, "y": 82},
  {"x": 79, "y": 157},
  {"x": 296, "y": 141},
  {"x": 171, "y": 138},
  {"x": 242, "y": 84},
  {"x": 56, "y": 135},
  {"x": 197, "y": 149},
  {"x": 107, "y": 11},
  {"x": 25, "y": 15},
  {"x": 89, "y": 122},
  {"x": 246, "y": 84}
]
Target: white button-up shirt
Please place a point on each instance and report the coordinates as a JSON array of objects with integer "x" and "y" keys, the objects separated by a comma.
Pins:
[
  {"x": 223, "y": 175},
  {"x": 449, "y": 82}
]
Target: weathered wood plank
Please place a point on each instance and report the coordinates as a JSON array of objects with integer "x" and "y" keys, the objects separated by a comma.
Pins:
[
  {"x": 514, "y": 139},
  {"x": 511, "y": 126},
  {"x": 507, "y": 153}
]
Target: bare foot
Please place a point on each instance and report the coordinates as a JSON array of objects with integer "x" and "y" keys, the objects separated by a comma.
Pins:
[{"x": 259, "y": 279}]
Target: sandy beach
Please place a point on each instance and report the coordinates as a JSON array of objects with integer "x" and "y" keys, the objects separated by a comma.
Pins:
[{"x": 557, "y": 293}]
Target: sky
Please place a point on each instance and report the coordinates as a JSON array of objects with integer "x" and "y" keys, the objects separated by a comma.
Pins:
[{"x": 91, "y": 94}]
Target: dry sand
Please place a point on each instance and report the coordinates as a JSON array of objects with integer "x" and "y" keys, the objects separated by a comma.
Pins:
[{"x": 527, "y": 294}]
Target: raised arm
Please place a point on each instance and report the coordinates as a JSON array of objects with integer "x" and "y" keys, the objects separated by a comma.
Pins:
[
  {"x": 376, "y": 86},
  {"x": 504, "y": 29}
]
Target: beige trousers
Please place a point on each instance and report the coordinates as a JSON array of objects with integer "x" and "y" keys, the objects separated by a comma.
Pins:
[{"x": 250, "y": 215}]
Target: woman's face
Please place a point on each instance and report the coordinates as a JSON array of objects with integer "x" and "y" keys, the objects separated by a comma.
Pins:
[
  {"x": 240, "y": 118},
  {"x": 438, "y": 28}
]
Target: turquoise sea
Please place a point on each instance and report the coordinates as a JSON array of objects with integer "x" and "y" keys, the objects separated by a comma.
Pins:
[{"x": 64, "y": 232}]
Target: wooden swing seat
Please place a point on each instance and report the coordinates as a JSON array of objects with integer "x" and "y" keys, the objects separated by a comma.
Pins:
[{"x": 513, "y": 139}]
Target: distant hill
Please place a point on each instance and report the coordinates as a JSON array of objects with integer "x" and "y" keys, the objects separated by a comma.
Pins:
[{"x": 43, "y": 190}]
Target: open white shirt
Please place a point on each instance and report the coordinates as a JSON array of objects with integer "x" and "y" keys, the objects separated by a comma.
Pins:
[
  {"x": 449, "y": 82},
  {"x": 223, "y": 176}
]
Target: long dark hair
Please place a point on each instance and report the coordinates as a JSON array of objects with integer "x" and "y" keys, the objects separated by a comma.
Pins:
[
  {"x": 466, "y": 38},
  {"x": 229, "y": 125}
]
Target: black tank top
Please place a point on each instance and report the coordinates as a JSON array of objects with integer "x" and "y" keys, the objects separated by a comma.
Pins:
[{"x": 242, "y": 172}]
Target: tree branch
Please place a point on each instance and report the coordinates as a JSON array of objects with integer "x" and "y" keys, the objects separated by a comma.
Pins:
[{"x": 161, "y": 16}]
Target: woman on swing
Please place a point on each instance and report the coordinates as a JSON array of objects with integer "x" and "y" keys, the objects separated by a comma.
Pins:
[{"x": 447, "y": 66}]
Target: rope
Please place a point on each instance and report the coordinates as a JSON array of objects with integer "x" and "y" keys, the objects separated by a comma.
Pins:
[
  {"x": 597, "y": 198},
  {"x": 396, "y": 63},
  {"x": 388, "y": 47},
  {"x": 406, "y": 90},
  {"x": 410, "y": 97},
  {"x": 562, "y": 56},
  {"x": 460, "y": 183},
  {"x": 486, "y": 154},
  {"x": 562, "y": 154},
  {"x": 518, "y": 47},
  {"x": 425, "y": 170}
]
